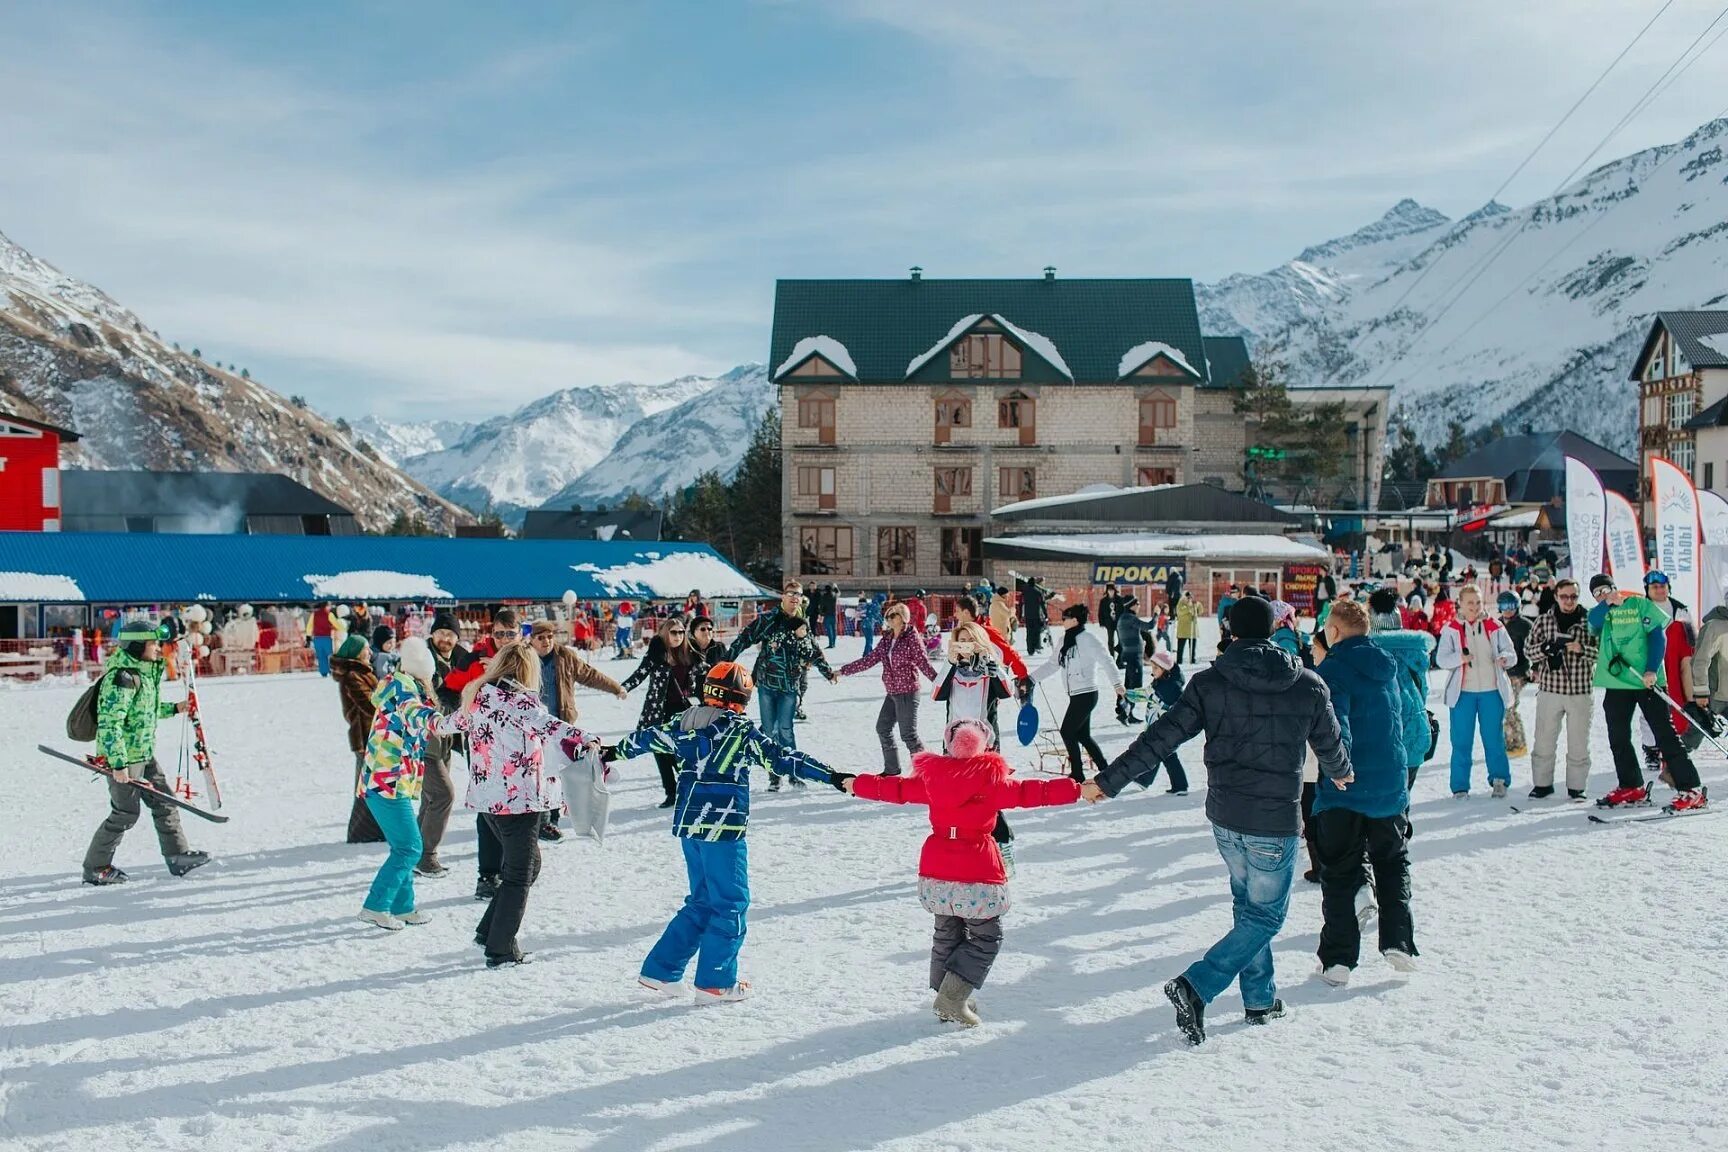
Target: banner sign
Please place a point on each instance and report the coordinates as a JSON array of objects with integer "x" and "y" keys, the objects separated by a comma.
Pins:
[
  {"x": 1585, "y": 516},
  {"x": 1137, "y": 571},
  {"x": 1300, "y": 582},
  {"x": 1625, "y": 548},
  {"x": 1677, "y": 550},
  {"x": 1713, "y": 518}
]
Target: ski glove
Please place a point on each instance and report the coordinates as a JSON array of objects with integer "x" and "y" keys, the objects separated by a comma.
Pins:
[
  {"x": 608, "y": 753},
  {"x": 838, "y": 779},
  {"x": 1023, "y": 689}
]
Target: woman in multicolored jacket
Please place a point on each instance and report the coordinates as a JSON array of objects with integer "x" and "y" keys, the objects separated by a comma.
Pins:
[
  {"x": 404, "y": 712},
  {"x": 509, "y": 781}
]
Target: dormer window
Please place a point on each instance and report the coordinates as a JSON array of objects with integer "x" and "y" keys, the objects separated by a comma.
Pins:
[{"x": 983, "y": 356}]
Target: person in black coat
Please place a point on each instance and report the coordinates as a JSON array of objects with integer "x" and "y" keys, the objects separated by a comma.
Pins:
[
  {"x": 674, "y": 673},
  {"x": 1109, "y": 608},
  {"x": 1034, "y": 610},
  {"x": 1259, "y": 710}
]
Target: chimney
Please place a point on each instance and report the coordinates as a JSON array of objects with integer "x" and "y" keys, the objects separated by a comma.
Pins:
[
  {"x": 1049, "y": 272},
  {"x": 917, "y": 272}
]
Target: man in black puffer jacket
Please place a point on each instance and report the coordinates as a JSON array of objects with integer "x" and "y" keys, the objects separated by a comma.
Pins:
[{"x": 1260, "y": 710}]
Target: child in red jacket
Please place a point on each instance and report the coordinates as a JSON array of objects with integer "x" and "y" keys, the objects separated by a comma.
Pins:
[{"x": 961, "y": 880}]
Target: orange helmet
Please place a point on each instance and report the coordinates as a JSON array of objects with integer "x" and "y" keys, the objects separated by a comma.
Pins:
[{"x": 728, "y": 685}]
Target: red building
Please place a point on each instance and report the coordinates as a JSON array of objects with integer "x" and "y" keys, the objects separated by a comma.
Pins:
[{"x": 30, "y": 474}]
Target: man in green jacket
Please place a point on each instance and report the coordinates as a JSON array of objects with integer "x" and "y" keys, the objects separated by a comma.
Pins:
[
  {"x": 128, "y": 705},
  {"x": 1629, "y": 669}
]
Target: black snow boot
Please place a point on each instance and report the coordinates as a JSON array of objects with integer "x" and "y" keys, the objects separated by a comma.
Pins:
[
  {"x": 1264, "y": 1015},
  {"x": 186, "y": 861},
  {"x": 507, "y": 961},
  {"x": 486, "y": 887},
  {"x": 1541, "y": 791},
  {"x": 1190, "y": 1009},
  {"x": 103, "y": 877}
]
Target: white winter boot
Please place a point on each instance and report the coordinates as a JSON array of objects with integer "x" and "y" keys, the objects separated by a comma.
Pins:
[
  {"x": 1337, "y": 975},
  {"x": 1400, "y": 959},
  {"x": 381, "y": 919}
]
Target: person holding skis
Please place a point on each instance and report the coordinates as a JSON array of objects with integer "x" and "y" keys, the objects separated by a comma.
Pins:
[
  {"x": 1630, "y": 646},
  {"x": 902, "y": 658},
  {"x": 1258, "y": 708},
  {"x": 403, "y": 712},
  {"x": 1477, "y": 651},
  {"x": 775, "y": 678},
  {"x": 1080, "y": 657},
  {"x": 1561, "y": 652},
  {"x": 962, "y": 876},
  {"x": 716, "y": 748},
  {"x": 1518, "y": 629},
  {"x": 128, "y": 706},
  {"x": 355, "y": 681}
]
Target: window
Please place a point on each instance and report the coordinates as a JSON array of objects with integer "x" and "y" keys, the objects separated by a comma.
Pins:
[
  {"x": 952, "y": 482},
  {"x": 816, "y": 482},
  {"x": 1709, "y": 477},
  {"x": 50, "y": 487},
  {"x": 962, "y": 551},
  {"x": 983, "y": 356},
  {"x": 951, "y": 412},
  {"x": 1680, "y": 406},
  {"x": 1016, "y": 483},
  {"x": 1656, "y": 368},
  {"x": 1157, "y": 415},
  {"x": 1652, "y": 411},
  {"x": 1149, "y": 476},
  {"x": 1683, "y": 453},
  {"x": 1018, "y": 410},
  {"x": 818, "y": 412},
  {"x": 825, "y": 551},
  {"x": 896, "y": 551}
]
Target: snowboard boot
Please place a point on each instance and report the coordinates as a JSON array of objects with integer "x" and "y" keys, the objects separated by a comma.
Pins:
[
  {"x": 1400, "y": 960},
  {"x": 186, "y": 861},
  {"x": 952, "y": 1002},
  {"x": 1335, "y": 975},
  {"x": 486, "y": 887},
  {"x": 105, "y": 876},
  {"x": 380, "y": 920},
  {"x": 1541, "y": 791},
  {"x": 1693, "y": 800},
  {"x": 1190, "y": 1009},
  {"x": 1265, "y": 1015},
  {"x": 1634, "y": 797}
]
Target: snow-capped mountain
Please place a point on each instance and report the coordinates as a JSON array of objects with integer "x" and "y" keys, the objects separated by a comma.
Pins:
[
  {"x": 666, "y": 452},
  {"x": 396, "y": 442},
  {"x": 1543, "y": 333},
  {"x": 72, "y": 355},
  {"x": 515, "y": 462}
]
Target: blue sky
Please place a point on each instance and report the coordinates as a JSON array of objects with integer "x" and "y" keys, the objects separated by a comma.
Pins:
[{"x": 447, "y": 209}]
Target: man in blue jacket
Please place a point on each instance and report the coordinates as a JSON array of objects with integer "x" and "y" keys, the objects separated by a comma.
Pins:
[{"x": 1369, "y": 816}]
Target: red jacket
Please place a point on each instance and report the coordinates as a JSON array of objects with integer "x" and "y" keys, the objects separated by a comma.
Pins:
[
  {"x": 919, "y": 613},
  {"x": 964, "y": 797},
  {"x": 1678, "y": 651},
  {"x": 1009, "y": 656}
]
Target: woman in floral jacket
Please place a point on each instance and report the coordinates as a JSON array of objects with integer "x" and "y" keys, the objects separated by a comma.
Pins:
[
  {"x": 902, "y": 658},
  {"x": 509, "y": 782}
]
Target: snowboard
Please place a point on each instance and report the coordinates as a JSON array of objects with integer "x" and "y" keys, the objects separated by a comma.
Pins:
[
  {"x": 141, "y": 785},
  {"x": 1026, "y": 727}
]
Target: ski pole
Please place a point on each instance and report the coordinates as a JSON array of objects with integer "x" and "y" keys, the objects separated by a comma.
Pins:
[{"x": 1675, "y": 705}]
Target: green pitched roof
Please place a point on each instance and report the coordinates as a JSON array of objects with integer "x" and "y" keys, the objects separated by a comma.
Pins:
[
  {"x": 1227, "y": 358},
  {"x": 886, "y": 324}
]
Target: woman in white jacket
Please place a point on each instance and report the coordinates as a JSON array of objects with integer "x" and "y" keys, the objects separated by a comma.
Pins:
[
  {"x": 1080, "y": 657},
  {"x": 1477, "y": 649}
]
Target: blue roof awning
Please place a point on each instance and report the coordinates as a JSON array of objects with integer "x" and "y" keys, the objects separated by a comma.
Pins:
[{"x": 142, "y": 568}]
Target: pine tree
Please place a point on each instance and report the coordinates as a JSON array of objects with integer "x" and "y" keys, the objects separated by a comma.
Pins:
[{"x": 756, "y": 503}]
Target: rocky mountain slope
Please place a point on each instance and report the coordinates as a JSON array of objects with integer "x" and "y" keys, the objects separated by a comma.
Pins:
[
  {"x": 1528, "y": 315},
  {"x": 663, "y": 453},
  {"x": 396, "y": 441},
  {"x": 71, "y": 355}
]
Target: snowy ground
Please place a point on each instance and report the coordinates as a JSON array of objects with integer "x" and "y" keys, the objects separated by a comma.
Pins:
[{"x": 1570, "y": 993}]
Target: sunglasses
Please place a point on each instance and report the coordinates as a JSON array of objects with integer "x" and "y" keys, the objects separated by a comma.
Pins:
[
  {"x": 674, "y": 631},
  {"x": 501, "y": 634}
]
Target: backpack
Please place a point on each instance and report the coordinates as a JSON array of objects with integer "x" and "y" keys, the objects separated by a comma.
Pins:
[{"x": 81, "y": 720}]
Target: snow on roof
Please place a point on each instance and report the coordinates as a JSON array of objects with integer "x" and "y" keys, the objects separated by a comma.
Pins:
[
  {"x": 1039, "y": 343},
  {"x": 826, "y": 347},
  {"x": 38, "y": 587},
  {"x": 931, "y": 353},
  {"x": 1090, "y": 492},
  {"x": 1140, "y": 355},
  {"x": 1717, "y": 343},
  {"x": 1524, "y": 519},
  {"x": 667, "y": 577},
  {"x": 375, "y": 584},
  {"x": 1206, "y": 547}
]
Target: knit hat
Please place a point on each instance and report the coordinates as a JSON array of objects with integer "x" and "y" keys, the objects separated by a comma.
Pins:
[
  {"x": 1600, "y": 581},
  {"x": 417, "y": 659},
  {"x": 446, "y": 622},
  {"x": 381, "y": 636},
  {"x": 350, "y": 648},
  {"x": 967, "y": 737},
  {"x": 1506, "y": 602},
  {"x": 1164, "y": 659},
  {"x": 543, "y": 628},
  {"x": 698, "y": 620},
  {"x": 1251, "y": 619},
  {"x": 1283, "y": 612}
]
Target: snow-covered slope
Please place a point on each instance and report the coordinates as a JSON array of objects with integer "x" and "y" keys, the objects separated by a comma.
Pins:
[
  {"x": 70, "y": 354},
  {"x": 397, "y": 442},
  {"x": 1544, "y": 334},
  {"x": 665, "y": 452},
  {"x": 516, "y": 461}
]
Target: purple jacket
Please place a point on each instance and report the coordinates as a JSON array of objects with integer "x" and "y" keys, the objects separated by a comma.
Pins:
[{"x": 902, "y": 657}]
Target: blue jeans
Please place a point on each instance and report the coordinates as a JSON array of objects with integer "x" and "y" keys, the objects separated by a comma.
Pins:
[
  {"x": 869, "y": 631},
  {"x": 832, "y": 624},
  {"x": 778, "y": 710},
  {"x": 393, "y": 887},
  {"x": 321, "y": 648},
  {"x": 711, "y": 925},
  {"x": 1484, "y": 712},
  {"x": 1261, "y": 868}
]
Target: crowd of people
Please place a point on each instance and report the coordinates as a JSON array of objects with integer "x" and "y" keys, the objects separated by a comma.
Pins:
[{"x": 1312, "y": 738}]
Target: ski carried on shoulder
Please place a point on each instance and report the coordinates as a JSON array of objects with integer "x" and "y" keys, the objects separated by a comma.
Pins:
[{"x": 88, "y": 764}]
